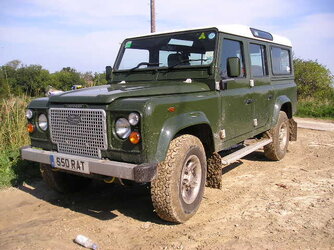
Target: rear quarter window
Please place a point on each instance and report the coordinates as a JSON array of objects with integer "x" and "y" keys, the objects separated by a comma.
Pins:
[{"x": 281, "y": 61}]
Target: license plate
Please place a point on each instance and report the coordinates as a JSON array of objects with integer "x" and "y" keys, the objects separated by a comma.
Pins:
[{"x": 68, "y": 163}]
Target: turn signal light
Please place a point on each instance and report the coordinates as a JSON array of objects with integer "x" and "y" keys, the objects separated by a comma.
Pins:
[
  {"x": 30, "y": 128},
  {"x": 134, "y": 137},
  {"x": 171, "y": 109}
]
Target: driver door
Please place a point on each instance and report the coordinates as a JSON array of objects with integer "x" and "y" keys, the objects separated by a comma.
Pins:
[{"x": 236, "y": 95}]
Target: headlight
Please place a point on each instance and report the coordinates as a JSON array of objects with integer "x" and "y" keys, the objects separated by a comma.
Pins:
[
  {"x": 29, "y": 113},
  {"x": 133, "y": 119},
  {"x": 123, "y": 128},
  {"x": 43, "y": 122}
]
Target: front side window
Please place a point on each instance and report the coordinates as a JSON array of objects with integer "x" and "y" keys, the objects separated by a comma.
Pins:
[
  {"x": 231, "y": 48},
  {"x": 258, "y": 60},
  {"x": 186, "y": 49},
  {"x": 280, "y": 61}
]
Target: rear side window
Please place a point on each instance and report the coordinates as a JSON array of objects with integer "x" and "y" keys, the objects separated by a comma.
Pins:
[
  {"x": 258, "y": 60},
  {"x": 280, "y": 61},
  {"x": 231, "y": 48}
]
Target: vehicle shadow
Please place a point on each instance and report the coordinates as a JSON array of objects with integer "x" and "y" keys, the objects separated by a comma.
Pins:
[
  {"x": 230, "y": 167},
  {"x": 104, "y": 201},
  {"x": 256, "y": 156},
  {"x": 101, "y": 201},
  {"x": 24, "y": 171}
]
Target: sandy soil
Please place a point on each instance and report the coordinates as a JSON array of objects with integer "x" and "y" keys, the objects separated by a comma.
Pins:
[{"x": 262, "y": 205}]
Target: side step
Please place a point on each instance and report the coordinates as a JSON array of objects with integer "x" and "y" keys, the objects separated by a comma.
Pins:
[{"x": 226, "y": 160}]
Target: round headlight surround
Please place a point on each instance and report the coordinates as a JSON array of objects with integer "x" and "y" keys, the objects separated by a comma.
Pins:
[
  {"x": 43, "y": 122},
  {"x": 29, "y": 113},
  {"x": 134, "y": 118},
  {"x": 123, "y": 128}
]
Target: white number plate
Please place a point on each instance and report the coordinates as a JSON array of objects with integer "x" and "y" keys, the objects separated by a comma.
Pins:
[{"x": 71, "y": 164}]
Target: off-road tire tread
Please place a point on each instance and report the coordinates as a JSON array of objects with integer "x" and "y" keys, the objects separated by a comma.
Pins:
[
  {"x": 272, "y": 150},
  {"x": 161, "y": 185}
]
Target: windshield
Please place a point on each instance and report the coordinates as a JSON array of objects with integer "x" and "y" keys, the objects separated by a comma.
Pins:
[{"x": 171, "y": 50}]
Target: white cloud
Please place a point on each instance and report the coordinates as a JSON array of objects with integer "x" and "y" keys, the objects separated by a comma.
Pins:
[
  {"x": 87, "y": 12},
  {"x": 213, "y": 12},
  {"x": 313, "y": 38},
  {"x": 86, "y": 34},
  {"x": 55, "y": 49}
]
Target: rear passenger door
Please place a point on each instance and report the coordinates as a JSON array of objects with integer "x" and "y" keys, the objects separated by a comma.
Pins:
[{"x": 262, "y": 91}]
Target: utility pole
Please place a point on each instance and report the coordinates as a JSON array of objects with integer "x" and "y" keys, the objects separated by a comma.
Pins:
[{"x": 152, "y": 16}]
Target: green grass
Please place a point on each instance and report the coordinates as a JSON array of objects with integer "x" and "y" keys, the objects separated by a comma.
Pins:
[
  {"x": 13, "y": 135},
  {"x": 316, "y": 109}
]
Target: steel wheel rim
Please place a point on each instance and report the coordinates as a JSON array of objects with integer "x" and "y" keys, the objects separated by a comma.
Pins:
[
  {"x": 191, "y": 179},
  {"x": 283, "y": 135}
]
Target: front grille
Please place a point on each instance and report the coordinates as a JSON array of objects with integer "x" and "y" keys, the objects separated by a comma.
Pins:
[{"x": 79, "y": 131}]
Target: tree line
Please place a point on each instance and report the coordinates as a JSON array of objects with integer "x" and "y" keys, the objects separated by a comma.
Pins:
[
  {"x": 314, "y": 80},
  {"x": 33, "y": 80}
]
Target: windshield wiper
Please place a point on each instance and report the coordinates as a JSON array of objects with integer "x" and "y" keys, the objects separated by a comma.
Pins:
[
  {"x": 185, "y": 61},
  {"x": 144, "y": 64}
]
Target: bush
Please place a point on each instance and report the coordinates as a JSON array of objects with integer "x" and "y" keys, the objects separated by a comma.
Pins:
[
  {"x": 313, "y": 80},
  {"x": 315, "y": 90}
]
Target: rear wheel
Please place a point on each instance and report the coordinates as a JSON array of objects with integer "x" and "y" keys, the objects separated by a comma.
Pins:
[
  {"x": 62, "y": 182},
  {"x": 178, "y": 187},
  {"x": 276, "y": 150}
]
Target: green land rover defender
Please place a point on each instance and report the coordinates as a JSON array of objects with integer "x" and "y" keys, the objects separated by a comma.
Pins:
[{"x": 178, "y": 107}]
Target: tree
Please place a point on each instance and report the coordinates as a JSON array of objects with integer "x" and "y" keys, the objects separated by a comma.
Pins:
[
  {"x": 14, "y": 64},
  {"x": 313, "y": 79},
  {"x": 66, "y": 78},
  {"x": 17, "y": 79},
  {"x": 32, "y": 79},
  {"x": 88, "y": 78},
  {"x": 100, "y": 78}
]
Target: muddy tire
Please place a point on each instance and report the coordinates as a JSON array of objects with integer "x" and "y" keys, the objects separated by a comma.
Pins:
[
  {"x": 178, "y": 188},
  {"x": 62, "y": 182},
  {"x": 276, "y": 150}
]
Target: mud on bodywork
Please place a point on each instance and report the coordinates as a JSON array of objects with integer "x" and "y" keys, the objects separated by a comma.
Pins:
[
  {"x": 293, "y": 130},
  {"x": 214, "y": 171}
]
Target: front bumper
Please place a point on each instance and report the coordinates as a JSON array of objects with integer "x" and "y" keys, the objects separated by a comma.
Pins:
[{"x": 139, "y": 173}]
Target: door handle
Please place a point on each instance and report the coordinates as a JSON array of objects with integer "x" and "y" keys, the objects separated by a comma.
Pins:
[{"x": 249, "y": 101}]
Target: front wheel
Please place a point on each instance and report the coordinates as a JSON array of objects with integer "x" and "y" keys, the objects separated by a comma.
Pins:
[
  {"x": 178, "y": 188},
  {"x": 276, "y": 150}
]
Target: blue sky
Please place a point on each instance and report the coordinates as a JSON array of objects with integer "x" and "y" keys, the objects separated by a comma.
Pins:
[{"x": 86, "y": 34}]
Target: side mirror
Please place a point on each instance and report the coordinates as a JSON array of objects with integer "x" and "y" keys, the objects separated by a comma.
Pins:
[
  {"x": 233, "y": 66},
  {"x": 108, "y": 73}
]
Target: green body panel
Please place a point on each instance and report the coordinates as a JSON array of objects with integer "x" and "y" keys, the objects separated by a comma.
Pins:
[
  {"x": 108, "y": 93},
  {"x": 161, "y": 126},
  {"x": 236, "y": 114},
  {"x": 199, "y": 103}
]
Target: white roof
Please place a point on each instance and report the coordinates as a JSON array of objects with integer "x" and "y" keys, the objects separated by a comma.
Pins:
[
  {"x": 236, "y": 29},
  {"x": 242, "y": 30}
]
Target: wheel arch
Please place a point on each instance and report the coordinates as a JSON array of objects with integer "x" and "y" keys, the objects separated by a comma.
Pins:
[
  {"x": 283, "y": 103},
  {"x": 193, "y": 123},
  {"x": 204, "y": 133}
]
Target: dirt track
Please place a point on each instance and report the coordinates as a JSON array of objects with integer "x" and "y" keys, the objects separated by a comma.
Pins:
[{"x": 276, "y": 205}]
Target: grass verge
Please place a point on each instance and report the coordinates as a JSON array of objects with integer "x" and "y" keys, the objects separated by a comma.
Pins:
[
  {"x": 316, "y": 109},
  {"x": 13, "y": 135}
]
